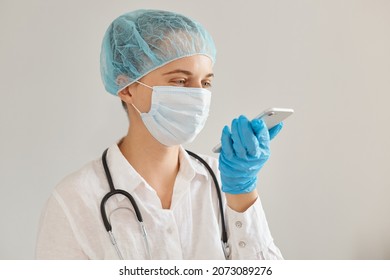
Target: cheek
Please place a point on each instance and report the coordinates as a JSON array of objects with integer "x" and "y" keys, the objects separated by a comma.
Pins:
[{"x": 143, "y": 101}]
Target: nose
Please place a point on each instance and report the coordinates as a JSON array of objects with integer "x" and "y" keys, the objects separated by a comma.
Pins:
[{"x": 195, "y": 84}]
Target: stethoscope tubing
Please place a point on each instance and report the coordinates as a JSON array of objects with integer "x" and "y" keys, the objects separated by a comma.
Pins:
[
  {"x": 216, "y": 184},
  {"x": 138, "y": 214},
  {"x": 112, "y": 192}
]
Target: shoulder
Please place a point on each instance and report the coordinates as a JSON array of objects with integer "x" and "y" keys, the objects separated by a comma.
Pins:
[
  {"x": 87, "y": 182},
  {"x": 210, "y": 160}
]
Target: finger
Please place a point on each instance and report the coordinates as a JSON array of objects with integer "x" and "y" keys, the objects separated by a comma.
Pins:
[
  {"x": 261, "y": 132},
  {"x": 257, "y": 125},
  {"x": 227, "y": 143},
  {"x": 275, "y": 130},
  {"x": 238, "y": 147},
  {"x": 248, "y": 137}
]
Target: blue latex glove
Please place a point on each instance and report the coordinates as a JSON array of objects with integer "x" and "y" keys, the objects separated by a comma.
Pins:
[{"x": 244, "y": 152}]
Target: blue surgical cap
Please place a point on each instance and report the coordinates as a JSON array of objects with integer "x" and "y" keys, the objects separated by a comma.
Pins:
[{"x": 141, "y": 41}]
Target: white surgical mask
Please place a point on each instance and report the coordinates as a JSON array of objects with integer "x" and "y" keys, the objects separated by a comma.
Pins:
[{"x": 177, "y": 114}]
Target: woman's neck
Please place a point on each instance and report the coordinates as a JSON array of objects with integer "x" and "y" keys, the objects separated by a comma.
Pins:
[{"x": 156, "y": 163}]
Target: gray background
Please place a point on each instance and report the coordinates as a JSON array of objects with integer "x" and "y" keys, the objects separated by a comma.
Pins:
[{"x": 326, "y": 187}]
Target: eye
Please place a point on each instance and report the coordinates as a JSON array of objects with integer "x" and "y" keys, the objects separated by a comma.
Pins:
[
  {"x": 206, "y": 84},
  {"x": 179, "y": 82}
]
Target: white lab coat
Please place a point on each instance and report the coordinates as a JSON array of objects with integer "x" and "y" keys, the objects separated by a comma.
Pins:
[{"x": 71, "y": 226}]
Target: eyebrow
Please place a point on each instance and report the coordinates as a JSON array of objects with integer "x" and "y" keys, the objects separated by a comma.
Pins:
[{"x": 188, "y": 73}]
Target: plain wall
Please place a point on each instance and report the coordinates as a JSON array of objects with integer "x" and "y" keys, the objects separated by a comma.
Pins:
[{"x": 326, "y": 187}]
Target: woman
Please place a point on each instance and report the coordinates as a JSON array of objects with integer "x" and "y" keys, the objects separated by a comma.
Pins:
[{"x": 160, "y": 64}]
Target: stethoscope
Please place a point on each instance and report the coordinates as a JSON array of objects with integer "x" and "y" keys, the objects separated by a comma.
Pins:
[{"x": 114, "y": 191}]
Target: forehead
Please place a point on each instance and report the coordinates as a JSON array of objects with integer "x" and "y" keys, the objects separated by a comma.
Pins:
[{"x": 196, "y": 64}]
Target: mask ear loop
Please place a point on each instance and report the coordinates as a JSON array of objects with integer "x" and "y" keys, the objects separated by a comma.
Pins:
[
  {"x": 145, "y": 85},
  {"x": 139, "y": 112}
]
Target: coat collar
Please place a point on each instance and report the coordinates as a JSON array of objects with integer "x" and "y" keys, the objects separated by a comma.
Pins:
[{"x": 125, "y": 177}]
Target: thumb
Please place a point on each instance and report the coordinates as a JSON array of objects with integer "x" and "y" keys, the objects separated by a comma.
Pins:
[{"x": 275, "y": 130}]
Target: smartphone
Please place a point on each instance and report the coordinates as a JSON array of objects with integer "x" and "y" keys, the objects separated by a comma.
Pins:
[{"x": 271, "y": 117}]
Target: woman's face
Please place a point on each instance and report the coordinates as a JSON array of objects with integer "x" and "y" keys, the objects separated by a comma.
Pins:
[{"x": 193, "y": 71}]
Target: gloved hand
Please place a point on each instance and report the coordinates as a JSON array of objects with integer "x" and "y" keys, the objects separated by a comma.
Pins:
[{"x": 244, "y": 151}]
